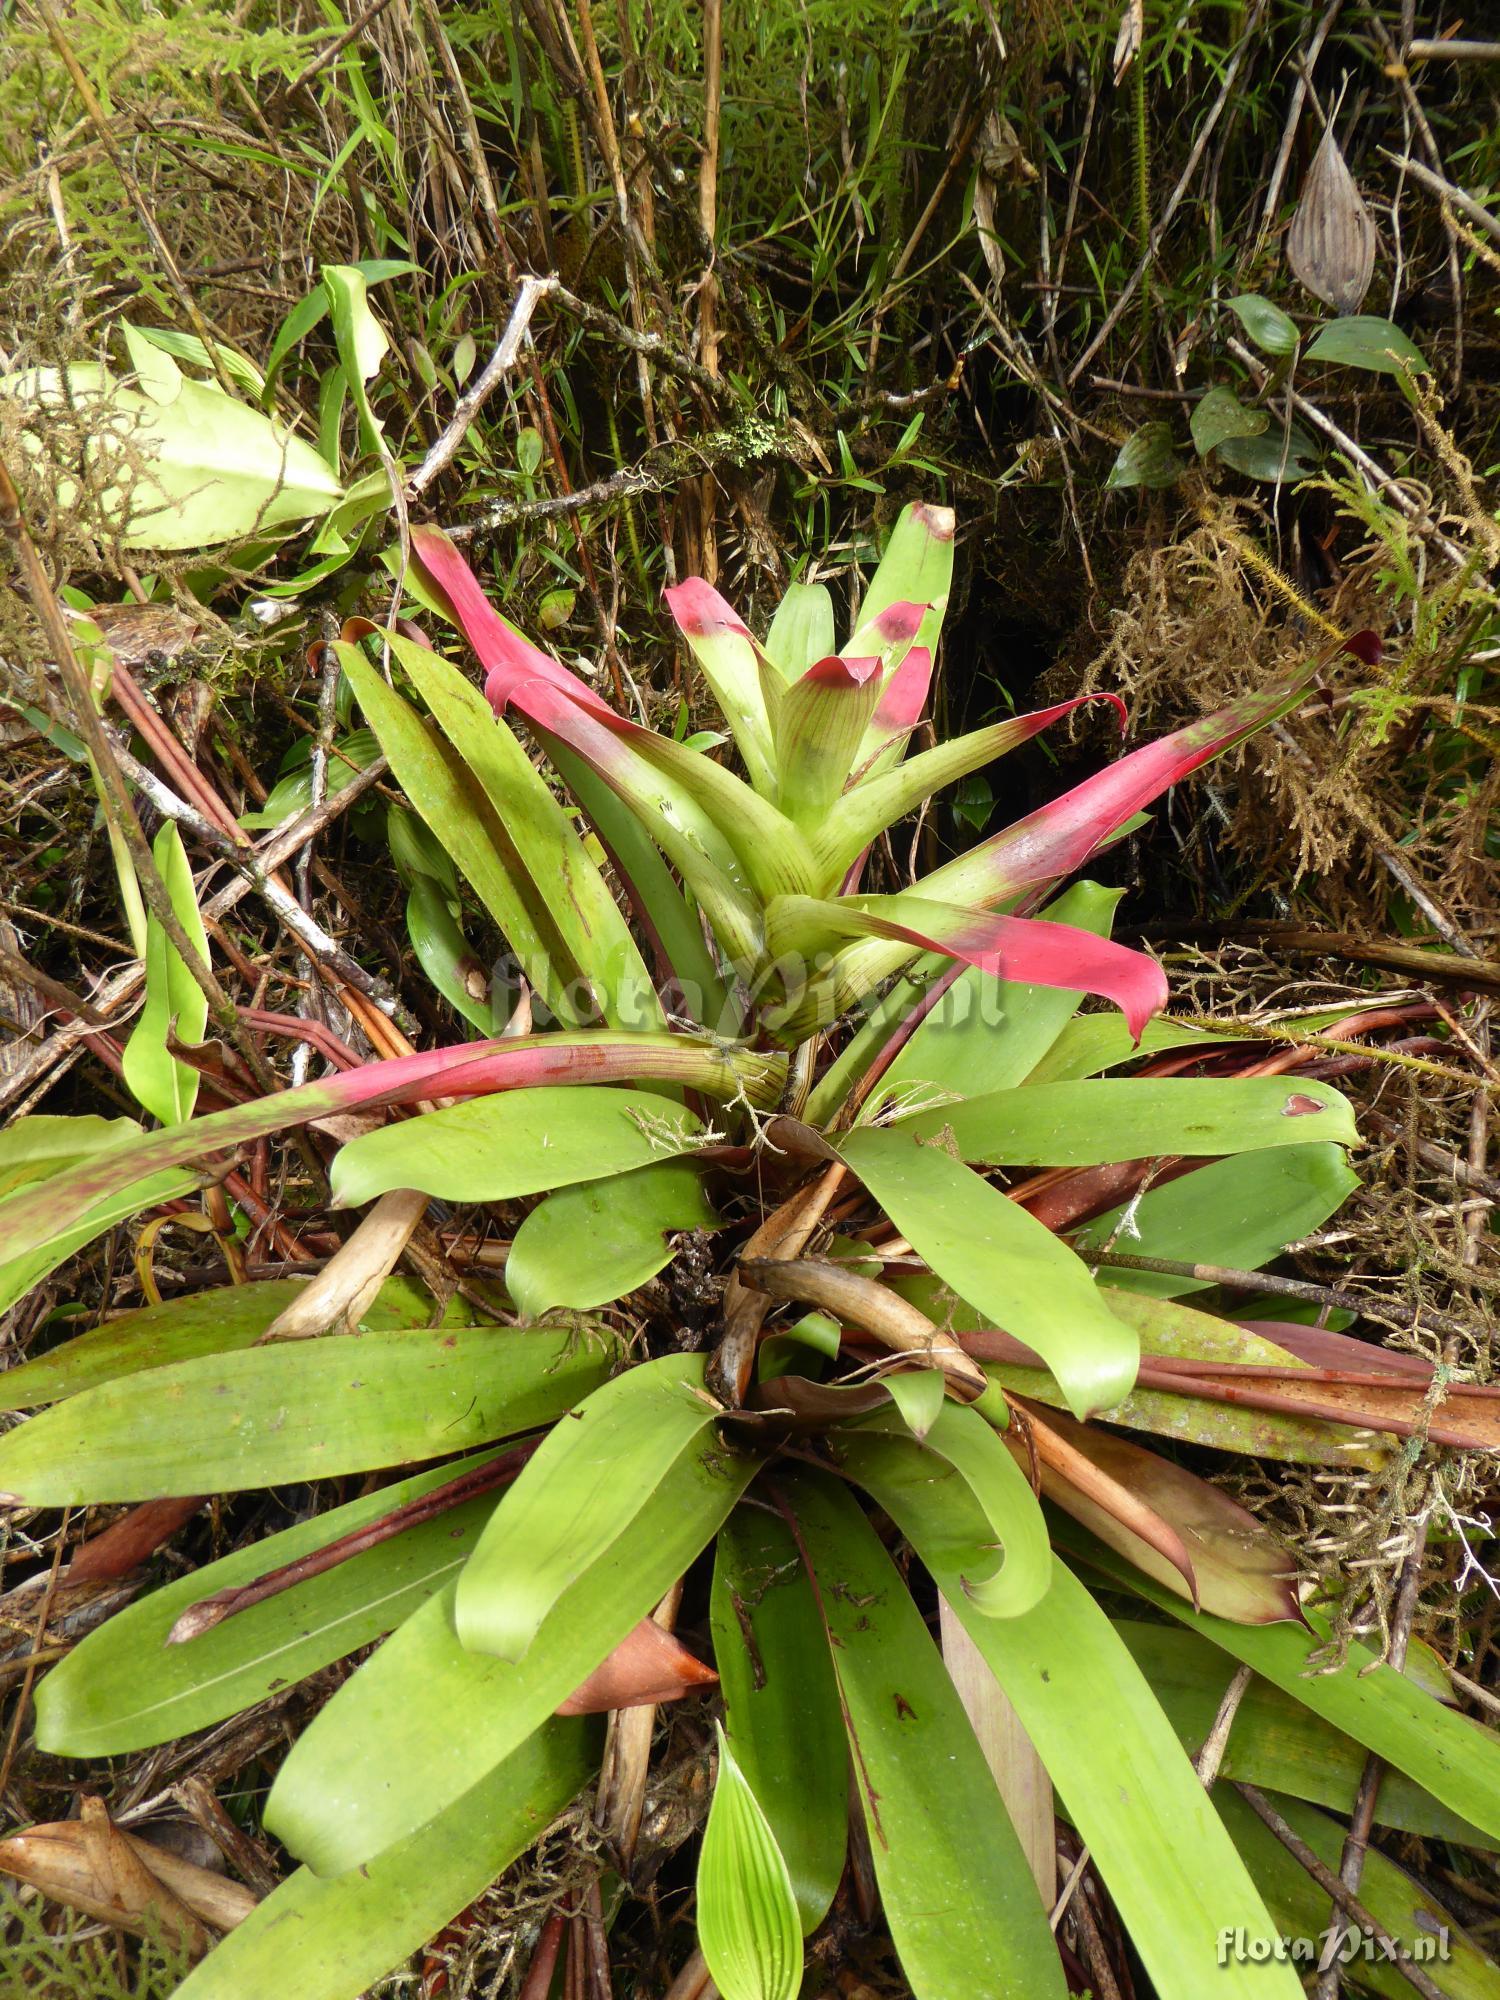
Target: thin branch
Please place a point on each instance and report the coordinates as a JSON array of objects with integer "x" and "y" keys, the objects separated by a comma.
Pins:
[
  {"x": 1326, "y": 1880},
  {"x": 1359, "y": 1303},
  {"x": 307, "y": 931},
  {"x": 331, "y": 54},
  {"x": 1464, "y": 203},
  {"x": 468, "y": 406}
]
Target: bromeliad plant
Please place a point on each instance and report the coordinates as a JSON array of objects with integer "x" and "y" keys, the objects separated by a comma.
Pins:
[{"x": 814, "y": 1179}]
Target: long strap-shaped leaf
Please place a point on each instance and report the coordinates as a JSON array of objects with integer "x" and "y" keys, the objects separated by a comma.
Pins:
[
  {"x": 781, "y": 1702},
  {"x": 869, "y": 807},
  {"x": 558, "y": 866},
  {"x": 1061, "y": 835},
  {"x": 1017, "y": 948},
  {"x": 1002, "y": 1260},
  {"x": 1401, "y": 1723},
  {"x": 331, "y": 1940},
  {"x": 664, "y": 913},
  {"x": 684, "y": 796},
  {"x": 962, "y": 1907},
  {"x": 214, "y": 1321},
  {"x": 692, "y": 802},
  {"x": 963, "y": 1450},
  {"x": 986, "y": 1034},
  {"x": 578, "y": 1496},
  {"x": 1112, "y": 1754},
  {"x": 124, "y": 1688},
  {"x": 1457, "y": 1963},
  {"x": 720, "y": 642},
  {"x": 38, "y": 1214},
  {"x": 455, "y": 1713},
  {"x": 304, "y": 1409},
  {"x": 447, "y": 793},
  {"x": 1275, "y": 1742},
  {"x": 1102, "y": 1120}
]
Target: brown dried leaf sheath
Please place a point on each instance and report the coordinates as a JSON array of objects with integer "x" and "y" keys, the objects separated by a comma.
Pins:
[{"x": 1331, "y": 244}]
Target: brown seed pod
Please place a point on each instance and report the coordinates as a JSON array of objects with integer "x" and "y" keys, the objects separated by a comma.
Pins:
[{"x": 1331, "y": 244}]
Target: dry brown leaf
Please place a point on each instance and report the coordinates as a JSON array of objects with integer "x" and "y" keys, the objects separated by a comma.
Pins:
[
  {"x": 1141, "y": 1504},
  {"x": 91, "y": 1865},
  {"x": 1128, "y": 40},
  {"x": 648, "y": 1666},
  {"x": 1331, "y": 243}
]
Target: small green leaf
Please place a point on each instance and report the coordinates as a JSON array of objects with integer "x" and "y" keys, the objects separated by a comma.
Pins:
[
  {"x": 1267, "y": 325},
  {"x": 747, "y": 1915},
  {"x": 1219, "y": 415},
  {"x": 465, "y": 354},
  {"x": 625, "y": 1222},
  {"x": 1287, "y": 452},
  {"x": 586, "y": 1486},
  {"x": 293, "y": 793},
  {"x": 815, "y": 1330},
  {"x": 529, "y": 451},
  {"x": 1365, "y": 341},
  {"x": 516, "y": 1142},
  {"x": 1147, "y": 458},
  {"x": 918, "y": 1395},
  {"x": 188, "y": 347},
  {"x": 445, "y": 955},
  {"x": 360, "y": 338},
  {"x": 554, "y": 608}
]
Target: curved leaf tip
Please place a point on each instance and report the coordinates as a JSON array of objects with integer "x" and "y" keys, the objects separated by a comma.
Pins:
[
  {"x": 836, "y": 672},
  {"x": 1365, "y": 646},
  {"x": 699, "y": 611},
  {"x": 940, "y": 522}
]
